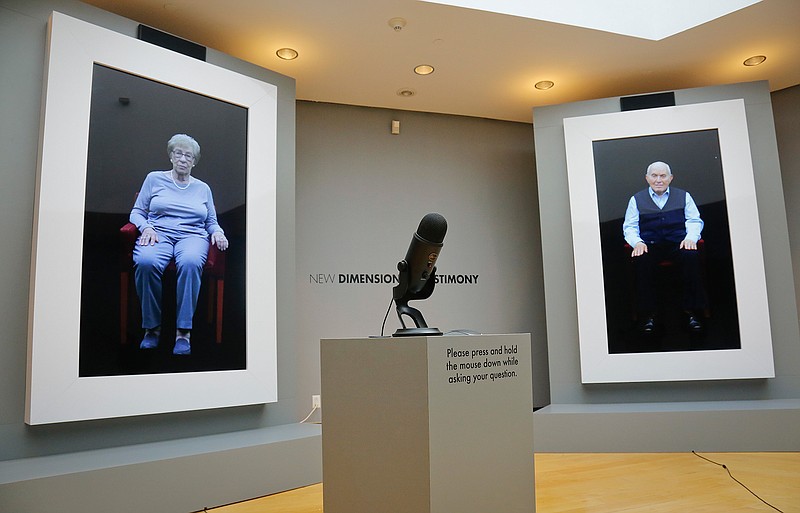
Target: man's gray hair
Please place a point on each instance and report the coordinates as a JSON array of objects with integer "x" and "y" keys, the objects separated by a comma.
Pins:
[{"x": 658, "y": 165}]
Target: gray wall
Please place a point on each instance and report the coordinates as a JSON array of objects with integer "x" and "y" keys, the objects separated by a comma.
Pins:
[
  {"x": 786, "y": 106},
  {"x": 361, "y": 193}
]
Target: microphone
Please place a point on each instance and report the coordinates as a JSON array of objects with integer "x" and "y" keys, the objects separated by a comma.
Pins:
[
  {"x": 417, "y": 273},
  {"x": 424, "y": 250}
]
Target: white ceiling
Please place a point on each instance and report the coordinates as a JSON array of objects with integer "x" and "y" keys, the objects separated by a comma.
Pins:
[{"x": 487, "y": 63}]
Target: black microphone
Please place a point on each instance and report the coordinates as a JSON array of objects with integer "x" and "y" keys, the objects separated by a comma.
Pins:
[
  {"x": 424, "y": 250},
  {"x": 417, "y": 274}
]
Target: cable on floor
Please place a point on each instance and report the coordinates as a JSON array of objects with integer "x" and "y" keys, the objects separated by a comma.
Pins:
[{"x": 739, "y": 482}]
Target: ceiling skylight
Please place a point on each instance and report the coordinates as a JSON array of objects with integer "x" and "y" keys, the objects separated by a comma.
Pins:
[{"x": 646, "y": 19}]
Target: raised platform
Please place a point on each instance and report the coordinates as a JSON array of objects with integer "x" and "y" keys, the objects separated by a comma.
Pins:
[
  {"x": 718, "y": 426},
  {"x": 178, "y": 475}
]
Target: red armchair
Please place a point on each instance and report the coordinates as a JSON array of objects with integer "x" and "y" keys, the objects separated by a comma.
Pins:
[{"x": 214, "y": 269}]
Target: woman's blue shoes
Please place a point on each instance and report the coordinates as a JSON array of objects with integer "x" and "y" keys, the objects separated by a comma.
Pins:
[
  {"x": 182, "y": 346},
  {"x": 150, "y": 340}
]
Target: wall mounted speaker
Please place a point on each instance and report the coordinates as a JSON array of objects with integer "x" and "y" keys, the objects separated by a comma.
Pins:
[
  {"x": 171, "y": 42},
  {"x": 647, "y": 101}
]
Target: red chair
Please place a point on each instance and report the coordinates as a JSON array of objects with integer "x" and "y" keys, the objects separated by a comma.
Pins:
[{"x": 214, "y": 269}]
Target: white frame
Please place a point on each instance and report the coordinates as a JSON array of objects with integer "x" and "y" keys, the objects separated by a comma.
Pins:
[
  {"x": 754, "y": 359},
  {"x": 55, "y": 392}
]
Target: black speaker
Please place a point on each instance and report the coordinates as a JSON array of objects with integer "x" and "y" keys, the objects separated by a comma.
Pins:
[
  {"x": 171, "y": 42},
  {"x": 647, "y": 101}
]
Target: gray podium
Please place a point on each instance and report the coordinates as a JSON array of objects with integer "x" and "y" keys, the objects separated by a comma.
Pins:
[{"x": 427, "y": 425}]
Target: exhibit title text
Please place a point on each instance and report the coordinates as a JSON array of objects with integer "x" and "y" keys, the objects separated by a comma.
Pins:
[{"x": 378, "y": 278}]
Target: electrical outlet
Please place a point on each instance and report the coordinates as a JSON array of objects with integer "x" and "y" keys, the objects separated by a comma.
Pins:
[{"x": 316, "y": 401}]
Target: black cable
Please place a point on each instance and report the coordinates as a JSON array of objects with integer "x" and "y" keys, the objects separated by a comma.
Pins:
[
  {"x": 386, "y": 316},
  {"x": 740, "y": 483}
]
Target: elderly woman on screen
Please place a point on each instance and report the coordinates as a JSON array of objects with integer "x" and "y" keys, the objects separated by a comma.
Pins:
[{"x": 176, "y": 218}]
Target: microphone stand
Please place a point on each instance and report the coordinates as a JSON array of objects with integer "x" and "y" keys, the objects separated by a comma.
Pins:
[{"x": 402, "y": 296}]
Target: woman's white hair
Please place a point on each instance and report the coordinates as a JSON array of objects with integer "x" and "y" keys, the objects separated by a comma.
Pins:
[{"x": 184, "y": 140}]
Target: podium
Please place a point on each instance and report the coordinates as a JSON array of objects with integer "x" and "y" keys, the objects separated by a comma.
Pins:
[{"x": 440, "y": 424}]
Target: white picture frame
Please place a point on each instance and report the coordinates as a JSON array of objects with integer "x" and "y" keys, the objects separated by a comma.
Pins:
[
  {"x": 754, "y": 358},
  {"x": 55, "y": 391}
]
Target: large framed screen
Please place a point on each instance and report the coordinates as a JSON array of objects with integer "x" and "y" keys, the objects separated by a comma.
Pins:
[
  {"x": 707, "y": 147},
  {"x": 110, "y": 105}
]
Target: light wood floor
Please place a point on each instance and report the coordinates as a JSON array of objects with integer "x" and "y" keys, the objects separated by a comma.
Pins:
[{"x": 623, "y": 483}]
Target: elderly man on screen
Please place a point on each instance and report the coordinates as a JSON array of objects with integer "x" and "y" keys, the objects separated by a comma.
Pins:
[{"x": 663, "y": 223}]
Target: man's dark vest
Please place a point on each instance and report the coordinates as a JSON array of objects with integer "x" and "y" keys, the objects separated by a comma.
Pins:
[{"x": 661, "y": 225}]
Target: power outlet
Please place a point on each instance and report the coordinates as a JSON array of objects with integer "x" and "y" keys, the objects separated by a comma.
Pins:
[{"x": 316, "y": 401}]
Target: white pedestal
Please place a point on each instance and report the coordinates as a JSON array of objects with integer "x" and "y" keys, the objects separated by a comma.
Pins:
[{"x": 427, "y": 425}]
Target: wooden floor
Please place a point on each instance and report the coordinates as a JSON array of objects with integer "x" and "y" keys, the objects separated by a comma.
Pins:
[{"x": 621, "y": 483}]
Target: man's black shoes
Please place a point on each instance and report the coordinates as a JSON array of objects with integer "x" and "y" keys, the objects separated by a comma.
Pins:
[
  {"x": 648, "y": 326},
  {"x": 694, "y": 324}
]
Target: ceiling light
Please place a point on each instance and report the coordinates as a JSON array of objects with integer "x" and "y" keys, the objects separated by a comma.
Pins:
[
  {"x": 423, "y": 69},
  {"x": 544, "y": 85},
  {"x": 287, "y": 54},
  {"x": 755, "y": 60},
  {"x": 406, "y": 92}
]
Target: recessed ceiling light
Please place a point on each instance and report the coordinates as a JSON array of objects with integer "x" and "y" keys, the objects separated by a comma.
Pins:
[
  {"x": 423, "y": 69},
  {"x": 406, "y": 92},
  {"x": 287, "y": 54},
  {"x": 755, "y": 60},
  {"x": 544, "y": 85}
]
